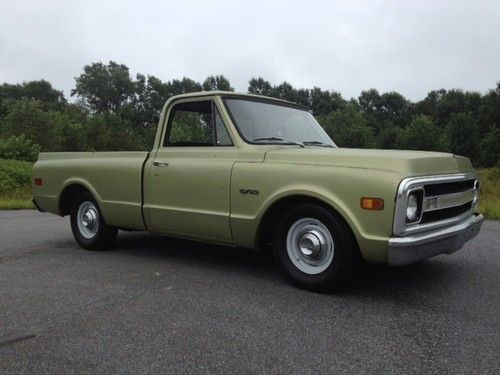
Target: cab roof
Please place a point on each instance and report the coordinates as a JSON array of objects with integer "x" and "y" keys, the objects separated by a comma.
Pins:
[{"x": 233, "y": 94}]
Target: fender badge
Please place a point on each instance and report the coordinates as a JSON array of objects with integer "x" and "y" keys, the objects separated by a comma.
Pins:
[{"x": 249, "y": 191}]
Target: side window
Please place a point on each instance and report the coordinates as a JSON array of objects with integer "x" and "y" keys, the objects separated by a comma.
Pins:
[
  {"x": 191, "y": 124},
  {"x": 223, "y": 138},
  {"x": 196, "y": 124}
]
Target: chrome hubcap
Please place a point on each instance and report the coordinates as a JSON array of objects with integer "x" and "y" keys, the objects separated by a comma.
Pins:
[
  {"x": 88, "y": 219},
  {"x": 310, "y": 245}
]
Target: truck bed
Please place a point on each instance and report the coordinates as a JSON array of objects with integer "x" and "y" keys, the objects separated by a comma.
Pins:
[{"x": 114, "y": 178}]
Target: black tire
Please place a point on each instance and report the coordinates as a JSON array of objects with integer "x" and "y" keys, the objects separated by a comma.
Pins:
[
  {"x": 345, "y": 249},
  {"x": 104, "y": 234}
]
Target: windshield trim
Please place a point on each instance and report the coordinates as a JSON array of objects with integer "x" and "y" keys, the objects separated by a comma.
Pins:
[{"x": 265, "y": 100}]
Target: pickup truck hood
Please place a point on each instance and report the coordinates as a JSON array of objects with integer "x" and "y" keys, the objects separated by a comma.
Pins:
[{"x": 406, "y": 163}]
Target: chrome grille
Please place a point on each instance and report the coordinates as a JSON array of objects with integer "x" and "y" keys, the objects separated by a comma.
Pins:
[
  {"x": 447, "y": 199},
  {"x": 449, "y": 187},
  {"x": 444, "y": 201},
  {"x": 445, "y": 213}
]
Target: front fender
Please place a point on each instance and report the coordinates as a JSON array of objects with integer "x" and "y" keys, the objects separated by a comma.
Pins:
[
  {"x": 315, "y": 192},
  {"x": 341, "y": 188}
]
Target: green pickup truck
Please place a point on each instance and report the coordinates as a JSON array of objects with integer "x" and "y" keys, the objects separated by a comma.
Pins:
[{"x": 251, "y": 171}]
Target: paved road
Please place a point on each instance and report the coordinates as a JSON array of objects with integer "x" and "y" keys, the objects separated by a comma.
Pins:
[{"x": 154, "y": 304}]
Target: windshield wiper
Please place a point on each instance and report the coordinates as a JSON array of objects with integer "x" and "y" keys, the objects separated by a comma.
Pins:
[
  {"x": 280, "y": 140},
  {"x": 317, "y": 143}
]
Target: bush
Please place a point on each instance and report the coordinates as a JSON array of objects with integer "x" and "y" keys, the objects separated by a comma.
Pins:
[
  {"x": 19, "y": 148},
  {"x": 14, "y": 175}
]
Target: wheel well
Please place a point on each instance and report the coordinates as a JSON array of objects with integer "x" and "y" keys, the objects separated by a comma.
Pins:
[
  {"x": 68, "y": 197},
  {"x": 277, "y": 209}
]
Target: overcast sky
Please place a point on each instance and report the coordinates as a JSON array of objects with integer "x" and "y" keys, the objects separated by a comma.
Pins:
[{"x": 408, "y": 46}]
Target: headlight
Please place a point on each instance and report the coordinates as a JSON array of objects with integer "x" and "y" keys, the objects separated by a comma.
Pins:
[{"x": 414, "y": 206}]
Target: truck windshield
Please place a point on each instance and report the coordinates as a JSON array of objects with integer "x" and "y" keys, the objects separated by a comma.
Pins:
[{"x": 266, "y": 122}]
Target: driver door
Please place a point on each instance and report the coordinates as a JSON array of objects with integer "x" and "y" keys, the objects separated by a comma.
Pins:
[{"x": 187, "y": 184}]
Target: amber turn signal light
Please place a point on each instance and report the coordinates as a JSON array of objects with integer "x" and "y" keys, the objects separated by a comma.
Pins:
[
  {"x": 372, "y": 203},
  {"x": 38, "y": 182}
]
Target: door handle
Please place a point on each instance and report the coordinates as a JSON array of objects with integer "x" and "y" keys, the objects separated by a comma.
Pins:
[{"x": 160, "y": 164}]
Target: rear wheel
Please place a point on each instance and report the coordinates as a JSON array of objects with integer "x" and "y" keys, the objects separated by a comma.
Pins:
[
  {"x": 314, "y": 247},
  {"x": 88, "y": 225}
]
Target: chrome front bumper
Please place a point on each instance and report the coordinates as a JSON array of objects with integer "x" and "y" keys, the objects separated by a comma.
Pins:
[{"x": 411, "y": 249}]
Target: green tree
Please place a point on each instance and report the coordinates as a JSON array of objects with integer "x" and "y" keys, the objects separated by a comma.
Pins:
[
  {"x": 151, "y": 94},
  {"x": 285, "y": 91},
  {"x": 370, "y": 103},
  {"x": 303, "y": 98},
  {"x": 145, "y": 108},
  {"x": 386, "y": 110},
  {"x": 38, "y": 90},
  {"x": 183, "y": 86},
  {"x": 323, "y": 102},
  {"x": 29, "y": 118},
  {"x": 395, "y": 108},
  {"x": 423, "y": 134},
  {"x": 104, "y": 88},
  {"x": 391, "y": 138},
  {"x": 489, "y": 111},
  {"x": 489, "y": 148},
  {"x": 320, "y": 102},
  {"x": 260, "y": 86},
  {"x": 214, "y": 83},
  {"x": 442, "y": 104},
  {"x": 347, "y": 127},
  {"x": 463, "y": 135},
  {"x": 109, "y": 132},
  {"x": 52, "y": 130}
]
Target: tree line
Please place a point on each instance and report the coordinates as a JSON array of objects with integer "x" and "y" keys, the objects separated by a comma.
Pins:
[{"x": 114, "y": 111}]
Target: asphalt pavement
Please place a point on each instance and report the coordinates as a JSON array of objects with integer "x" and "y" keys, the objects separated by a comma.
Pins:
[{"x": 154, "y": 304}]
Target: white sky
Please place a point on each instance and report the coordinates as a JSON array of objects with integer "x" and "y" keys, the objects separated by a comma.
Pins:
[{"x": 408, "y": 46}]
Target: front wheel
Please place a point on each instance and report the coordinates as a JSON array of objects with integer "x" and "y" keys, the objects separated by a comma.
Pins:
[
  {"x": 88, "y": 225},
  {"x": 314, "y": 247}
]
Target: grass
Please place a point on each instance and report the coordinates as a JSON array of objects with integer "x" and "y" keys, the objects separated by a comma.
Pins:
[
  {"x": 489, "y": 199},
  {"x": 17, "y": 200}
]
